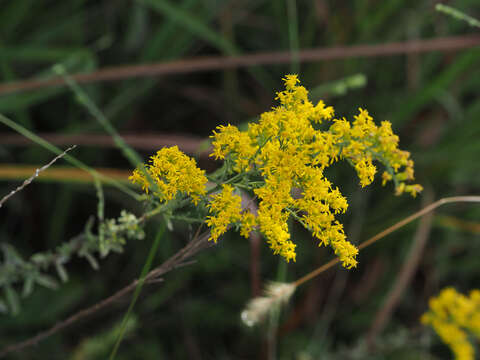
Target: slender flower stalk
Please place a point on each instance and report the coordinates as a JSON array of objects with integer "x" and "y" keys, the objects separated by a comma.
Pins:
[
  {"x": 389, "y": 230},
  {"x": 257, "y": 308}
]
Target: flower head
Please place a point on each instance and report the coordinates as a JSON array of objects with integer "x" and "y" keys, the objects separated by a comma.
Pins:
[
  {"x": 288, "y": 151},
  {"x": 453, "y": 316},
  {"x": 226, "y": 207},
  {"x": 172, "y": 172}
]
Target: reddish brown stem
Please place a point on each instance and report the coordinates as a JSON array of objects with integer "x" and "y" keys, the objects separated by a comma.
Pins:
[
  {"x": 116, "y": 73},
  {"x": 389, "y": 230}
]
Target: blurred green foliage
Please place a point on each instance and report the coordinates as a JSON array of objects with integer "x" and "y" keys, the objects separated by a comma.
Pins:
[{"x": 430, "y": 98}]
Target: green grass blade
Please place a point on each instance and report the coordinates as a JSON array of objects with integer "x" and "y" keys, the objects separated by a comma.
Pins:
[
  {"x": 138, "y": 289},
  {"x": 72, "y": 160},
  {"x": 203, "y": 31},
  {"x": 457, "y": 14},
  {"x": 417, "y": 101},
  {"x": 293, "y": 35},
  {"x": 92, "y": 108},
  {"x": 15, "y": 14},
  {"x": 192, "y": 23}
]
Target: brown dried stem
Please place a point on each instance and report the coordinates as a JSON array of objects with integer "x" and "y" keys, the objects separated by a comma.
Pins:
[
  {"x": 398, "y": 225},
  {"x": 31, "y": 178},
  {"x": 116, "y": 73},
  {"x": 412, "y": 260},
  {"x": 197, "y": 244}
]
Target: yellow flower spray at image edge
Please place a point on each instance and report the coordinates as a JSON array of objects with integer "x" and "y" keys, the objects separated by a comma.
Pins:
[{"x": 454, "y": 317}]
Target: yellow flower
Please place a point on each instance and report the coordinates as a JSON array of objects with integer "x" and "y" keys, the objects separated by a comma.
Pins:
[
  {"x": 363, "y": 141},
  {"x": 229, "y": 140},
  {"x": 172, "y": 172},
  {"x": 226, "y": 208},
  {"x": 291, "y": 81},
  {"x": 248, "y": 222},
  {"x": 366, "y": 171},
  {"x": 272, "y": 216},
  {"x": 453, "y": 316},
  {"x": 289, "y": 153},
  {"x": 282, "y": 159}
]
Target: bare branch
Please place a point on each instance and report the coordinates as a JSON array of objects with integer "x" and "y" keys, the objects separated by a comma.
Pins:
[
  {"x": 214, "y": 63},
  {"x": 197, "y": 244},
  {"x": 412, "y": 260},
  {"x": 31, "y": 178}
]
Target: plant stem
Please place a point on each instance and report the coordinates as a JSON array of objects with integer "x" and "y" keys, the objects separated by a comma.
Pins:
[
  {"x": 398, "y": 225},
  {"x": 138, "y": 288},
  {"x": 275, "y": 314},
  {"x": 69, "y": 158}
]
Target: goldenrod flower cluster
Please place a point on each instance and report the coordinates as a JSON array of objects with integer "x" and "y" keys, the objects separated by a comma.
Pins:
[
  {"x": 286, "y": 153},
  {"x": 172, "y": 171},
  {"x": 454, "y": 316},
  {"x": 281, "y": 161}
]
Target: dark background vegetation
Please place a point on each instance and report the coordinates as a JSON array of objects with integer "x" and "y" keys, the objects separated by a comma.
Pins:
[{"x": 431, "y": 98}]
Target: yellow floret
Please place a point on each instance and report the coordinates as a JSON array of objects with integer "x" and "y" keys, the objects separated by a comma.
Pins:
[
  {"x": 226, "y": 208},
  {"x": 172, "y": 172}
]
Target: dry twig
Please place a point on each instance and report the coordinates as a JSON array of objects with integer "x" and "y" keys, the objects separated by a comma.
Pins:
[
  {"x": 115, "y": 73},
  {"x": 382, "y": 234},
  {"x": 31, "y": 178},
  {"x": 197, "y": 244},
  {"x": 403, "y": 278}
]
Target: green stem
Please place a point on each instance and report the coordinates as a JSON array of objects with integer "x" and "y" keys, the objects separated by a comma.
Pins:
[
  {"x": 186, "y": 219},
  {"x": 457, "y": 14},
  {"x": 275, "y": 313},
  {"x": 69, "y": 158},
  {"x": 92, "y": 108},
  {"x": 138, "y": 289},
  {"x": 298, "y": 218},
  {"x": 293, "y": 35},
  {"x": 217, "y": 187}
]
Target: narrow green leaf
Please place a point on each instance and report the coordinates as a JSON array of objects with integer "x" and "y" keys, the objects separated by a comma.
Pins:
[
  {"x": 11, "y": 255},
  {"x": 12, "y": 300},
  {"x": 61, "y": 271},
  {"x": 3, "y": 307},
  {"x": 13, "y": 14},
  {"x": 294, "y": 43},
  {"x": 83, "y": 98},
  {"x": 30, "y": 135},
  {"x": 46, "y": 281},
  {"x": 418, "y": 100},
  {"x": 92, "y": 261},
  {"x": 31, "y": 54},
  {"x": 192, "y": 23},
  {"x": 457, "y": 14},
  {"x": 28, "y": 286},
  {"x": 203, "y": 31}
]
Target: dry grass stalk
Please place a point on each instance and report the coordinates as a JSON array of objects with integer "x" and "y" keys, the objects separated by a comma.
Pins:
[{"x": 31, "y": 178}]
